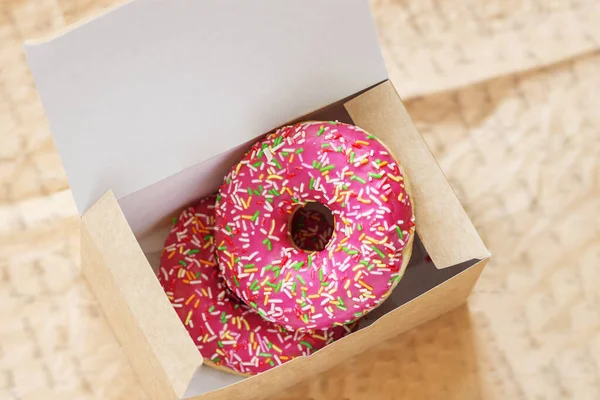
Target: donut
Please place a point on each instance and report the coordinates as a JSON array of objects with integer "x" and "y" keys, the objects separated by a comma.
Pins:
[
  {"x": 230, "y": 335},
  {"x": 341, "y": 172}
]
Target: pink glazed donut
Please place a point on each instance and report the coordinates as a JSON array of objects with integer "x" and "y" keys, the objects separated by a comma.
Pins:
[
  {"x": 345, "y": 174},
  {"x": 229, "y": 335}
]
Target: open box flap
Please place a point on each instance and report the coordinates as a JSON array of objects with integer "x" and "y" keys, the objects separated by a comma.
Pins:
[
  {"x": 155, "y": 86},
  {"x": 150, "y": 332},
  {"x": 445, "y": 229}
]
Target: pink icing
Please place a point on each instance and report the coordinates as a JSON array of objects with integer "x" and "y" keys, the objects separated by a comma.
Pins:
[
  {"x": 356, "y": 177},
  {"x": 225, "y": 330}
]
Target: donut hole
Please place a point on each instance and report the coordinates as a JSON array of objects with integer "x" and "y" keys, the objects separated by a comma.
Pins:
[{"x": 311, "y": 227}]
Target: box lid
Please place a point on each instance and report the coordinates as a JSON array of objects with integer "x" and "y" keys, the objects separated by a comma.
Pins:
[{"x": 137, "y": 95}]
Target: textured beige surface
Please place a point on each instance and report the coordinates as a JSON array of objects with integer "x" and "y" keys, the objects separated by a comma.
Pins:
[{"x": 505, "y": 93}]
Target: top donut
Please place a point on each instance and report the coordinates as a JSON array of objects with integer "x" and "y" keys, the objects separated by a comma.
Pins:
[{"x": 348, "y": 177}]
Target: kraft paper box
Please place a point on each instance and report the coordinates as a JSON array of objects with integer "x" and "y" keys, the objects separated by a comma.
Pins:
[{"x": 153, "y": 102}]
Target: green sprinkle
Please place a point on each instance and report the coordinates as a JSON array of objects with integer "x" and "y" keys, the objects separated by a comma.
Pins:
[
  {"x": 294, "y": 288},
  {"x": 303, "y": 294},
  {"x": 174, "y": 220},
  {"x": 284, "y": 153},
  {"x": 400, "y": 234},
  {"x": 349, "y": 251},
  {"x": 269, "y": 199},
  {"x": 271, "y": 285},
  {"x": 364, "y": 262},
  {"x": 340, "y": 149},
  {"x": 250, "y": 191},
  {"x": 277, "y": 163},
  {"x": 197, "y": 274},
  {"x": 220, "y": 344},
  {"x": 374, "y": 175},
  {"x": 370, "y": 137},
  {"x": 344, "y": 205},
  {"x": 345, "y": 187},
  {"x": 321, "y": 275},
  {"x": 269, "y": 267},
  {"x": 312, "y": 182},
  {"x": 193, "y": 251},
  {"x": 298, "y": 265},
  {"x": 352, "y": 158},
  {"x": 299, "y": 150},
  {"x": 327, "y": 168},
  {"x": 357, "y": 178},
  {"x": 222, "y": 248},
  {"x": 310, "y": 261},
  {"x": 370, "y": 267},
  {"x": 257, "y": 192},
  {"x": 257, "y": 164},
  {"x": 272, "y": 363},
  {"x": 255, "y": 285},
  {"x": 218, "y": 198},
  {"x": 358, "y": 314},
  {"x": 325, "y": 145},
  {"x": 300, "y": 279},
  {"x": 223, "y": 318},
  {"x": 211, "y": 308},
  {"x": 324, "y": 284},
  {"x": 262, "y": 313},
  {"x": 341, "y": 301},
  {"x": 316, "y": 164},
  {"x": 248, "y": 266},
  {"x": 321, "y": 130},
  {"x": 305, "y": 343},
  {"x": 256, "y": 214},
  {"x": 183, "y": 263},
  {"x": 216, "y": 360},
  {"x": 359, "y": 227},
  {"x": 237, "y": 260},
  {"x": 378, "y": 251},
  {"x": 253, "y": 304},
  {"x": 207, "y": 237},
  {"x": 236, "y": 281},
  {"x": 265, "y": 355},
  {"x": 270, "y": 345},
  {"x": 295, "y": 200},
  {"x": 278, "y": 287}
]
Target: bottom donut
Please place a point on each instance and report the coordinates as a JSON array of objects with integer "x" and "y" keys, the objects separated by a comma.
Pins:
[{"x": 230, "y": 335}]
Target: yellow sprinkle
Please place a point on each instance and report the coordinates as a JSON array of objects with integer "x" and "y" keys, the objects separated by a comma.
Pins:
[
  {"x": 291, "y": 158},
  {"x": 347, "y": 284},
  {"x": 261, "y": 176},
  {"x": 362, "y": 235},
  {"x": 325, "y": 173},
  {"x": 255, "y": 346},
  {"x": 171, "y": 255},
  {"x": 251, "y": 270},
  {"x": 209, "y": 263},
  {"x": 271, "y": 177},
  {"x": 370, "y": 239},
  {"x": 206, "y": 245},
  {"x": 383, "y": 164},
  {"x": 239, "y": 323},
  {"x": 364, "y": 160},
  {"x": 313, "y": 296},
  {"x": 284, "y": 358},
  {"x": 349, "y": 173},
  {"x": 189, "y": 316},
  {"x": 364, "y": 200},
  {"x": 251, "y": 337},
  {"x": 265, "y": 281},
  {"x": 384, "y": 198},
  {"x": 346, "y": 222},
  {"x": 190, "y": 299},
  {"x": 361, "y": 283},
  {"x": 321, "y": 290},
  {"x": 197, "y": 303},
  {"x": 204, "y": 292},
  {"x": 287, "y": 277},
  {"x": 394, "y": 178},
  {"x": 272, "y": 227},
  {"x": 266, "y": 300},
  {"x": 282, "y": 191},
  {"x": 180, "y": 249},
  {"x": 190, "y": 276},
  {"x": 356, "y": 268},
  {"x": 220, "y": 352},
  {"x": 357, "y": 276},
  {"x": 332, "y": 291},
  {"x": 380, "y": 228},
  {"x": 348, "y": 293},
  {"x": 362, "y": 142},
  {"x": 400, "y": 197},
  {"x": 344, "y": 240},
  {"x": 289, "y": 191},
  {"x": 248, "y": 217},
  {"x": 277, "y": 349},
  {"x": 246, "y": 325},
  {"x": 323, "y": 338},
  {"x": 205, "y": 338},
  {"x": 237, "y": 169}
]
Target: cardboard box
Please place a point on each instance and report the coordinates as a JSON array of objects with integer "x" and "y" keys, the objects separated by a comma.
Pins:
[{"x": 153, "y": 102}]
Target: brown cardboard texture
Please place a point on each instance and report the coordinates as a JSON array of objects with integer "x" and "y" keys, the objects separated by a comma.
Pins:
[{"x": 119, "y": 262}]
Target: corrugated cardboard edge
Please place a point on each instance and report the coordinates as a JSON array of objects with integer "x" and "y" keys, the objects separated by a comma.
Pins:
[
  {"x": 443, "y": 298},
  {"x": 442, "y": 223},
  {"x": 152, "y": 336}
]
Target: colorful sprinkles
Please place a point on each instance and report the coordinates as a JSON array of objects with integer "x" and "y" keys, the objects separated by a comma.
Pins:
[
  {"x": 226, "y": 331},
  {"x": 358, "y": 180}
]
